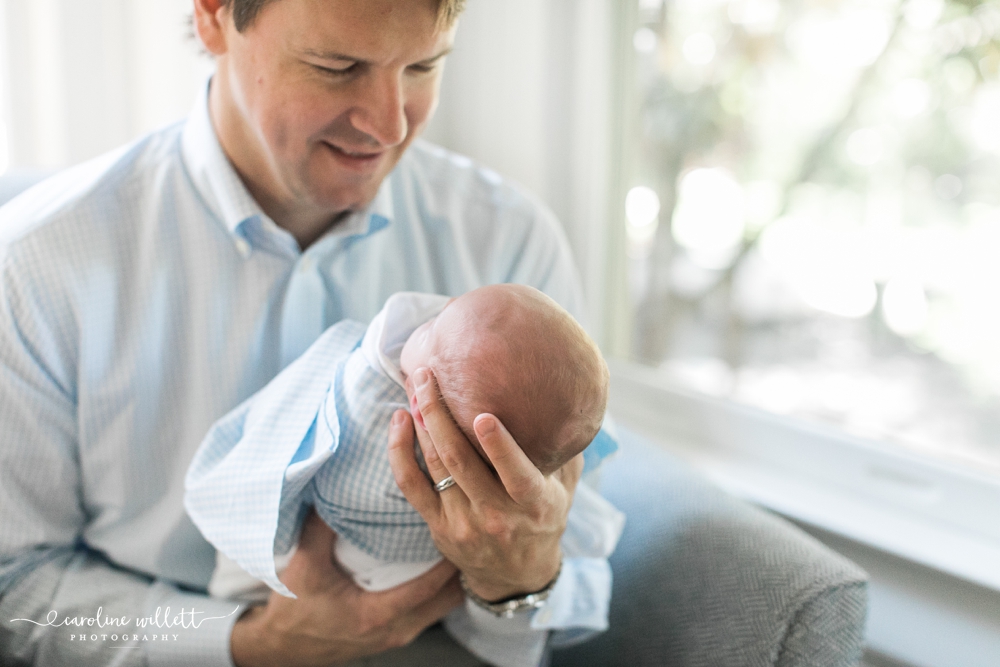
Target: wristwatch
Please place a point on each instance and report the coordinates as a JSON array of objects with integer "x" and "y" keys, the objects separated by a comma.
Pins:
[{"x": 507, "y": 608}]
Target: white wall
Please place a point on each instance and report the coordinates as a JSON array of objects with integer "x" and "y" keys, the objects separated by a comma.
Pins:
[
  {"x": 83, "y": 76},
  {"x": 528, "y": 92}
]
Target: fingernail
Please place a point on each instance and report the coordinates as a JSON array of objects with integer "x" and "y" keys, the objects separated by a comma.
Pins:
[
  {"x": 397, "y": 418},
  {"x": 486, "y": 426},
  {"x": 420, "y": 377}
]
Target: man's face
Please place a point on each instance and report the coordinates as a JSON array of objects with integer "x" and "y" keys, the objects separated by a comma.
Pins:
[{"x": 324, "y": 96}]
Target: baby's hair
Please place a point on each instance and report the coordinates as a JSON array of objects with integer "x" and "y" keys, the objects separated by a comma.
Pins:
[{"x": 521, "y": 357}]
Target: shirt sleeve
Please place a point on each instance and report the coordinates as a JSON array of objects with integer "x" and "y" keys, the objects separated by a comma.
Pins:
[
  {"x": 127, "y": 619},
  {"x": 46, "y": 574},
  {"x": 579, "y": 603}
]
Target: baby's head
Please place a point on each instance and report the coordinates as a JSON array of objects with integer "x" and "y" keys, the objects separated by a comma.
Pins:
[{"x": 511, "y": 351}]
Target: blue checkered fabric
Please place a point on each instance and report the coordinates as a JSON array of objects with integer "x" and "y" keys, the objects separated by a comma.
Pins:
[
  {"x": 355, "y": 492},
  {"x": 248, "y": 499}
]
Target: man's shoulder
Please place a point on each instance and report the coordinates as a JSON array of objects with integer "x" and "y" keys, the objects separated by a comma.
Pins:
[
  {"x": 451, "y": 181},
  {"x": 102, "y": 192}
]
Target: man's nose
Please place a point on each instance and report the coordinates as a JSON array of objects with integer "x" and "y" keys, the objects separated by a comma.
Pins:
[{"x": 380, "y": 110}]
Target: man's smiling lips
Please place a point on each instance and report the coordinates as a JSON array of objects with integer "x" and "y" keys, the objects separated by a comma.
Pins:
[{"x": 356, "y": 160}]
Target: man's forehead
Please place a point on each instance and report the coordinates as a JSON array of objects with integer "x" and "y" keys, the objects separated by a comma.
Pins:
[
  {"x": 245, "y": 12},
  {"x": 377, "y": 31}
]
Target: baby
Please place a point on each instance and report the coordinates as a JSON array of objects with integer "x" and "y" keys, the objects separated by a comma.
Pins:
[
  {"x": 513, "y": 352},
  {"x": 317, "y": 435}
]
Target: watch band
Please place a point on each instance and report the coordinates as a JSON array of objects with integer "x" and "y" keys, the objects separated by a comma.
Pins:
[{"x": 507, "y": 608}]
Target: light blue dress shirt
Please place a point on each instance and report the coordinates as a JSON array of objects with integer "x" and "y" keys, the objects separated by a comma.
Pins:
[{"x": 143, "y": 295}]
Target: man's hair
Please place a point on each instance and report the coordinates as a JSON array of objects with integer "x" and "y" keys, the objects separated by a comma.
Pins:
[{"x": 245, "y": 11}]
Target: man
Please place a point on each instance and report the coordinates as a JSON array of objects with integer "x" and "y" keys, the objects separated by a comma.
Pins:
[{"x": 146, "y": 293}]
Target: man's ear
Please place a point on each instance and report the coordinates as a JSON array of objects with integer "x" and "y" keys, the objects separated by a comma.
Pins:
[{"x": 210, "y": 21}]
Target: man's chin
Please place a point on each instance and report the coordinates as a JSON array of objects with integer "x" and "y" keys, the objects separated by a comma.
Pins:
[{"x": 342, "y": 201}]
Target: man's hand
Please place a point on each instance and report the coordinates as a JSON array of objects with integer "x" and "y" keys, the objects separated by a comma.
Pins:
[
  {"x": 333, "y": 621},
  {"x": 503, "y": 534}
]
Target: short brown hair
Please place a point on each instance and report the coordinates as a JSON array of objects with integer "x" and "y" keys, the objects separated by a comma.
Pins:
[{"x": 245, "y": 11}]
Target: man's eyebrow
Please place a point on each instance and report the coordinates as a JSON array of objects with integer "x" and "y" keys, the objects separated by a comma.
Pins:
[{"x": 332, "y": 55}]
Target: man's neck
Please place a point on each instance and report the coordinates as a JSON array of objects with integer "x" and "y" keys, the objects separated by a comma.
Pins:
[
  {"x": 304, "y": 222},
  {"x": 306, "y": 225}
]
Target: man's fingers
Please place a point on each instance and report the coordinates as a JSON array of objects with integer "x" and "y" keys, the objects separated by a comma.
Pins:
[
  {"x": 458, "y": 456},
  {"x": 317, "y": 538},
  {"x": 311, "y": 567},
  {"x": 435, "y": 466},
  {"x": 432, "y": 611},
  {"x": 410, "y": 478},
  {"x": 519, "y": 475},
  {"x": 569, "y": 475}
]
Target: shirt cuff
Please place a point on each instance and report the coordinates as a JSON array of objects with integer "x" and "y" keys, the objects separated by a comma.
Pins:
[
  {"x": 504, "y": 642},
  {"x": 184, "y": 629},
  {"x": 580, "y": 598}
]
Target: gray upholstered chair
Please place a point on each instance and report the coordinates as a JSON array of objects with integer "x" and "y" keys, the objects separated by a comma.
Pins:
[{"x": 703, "y": 579}]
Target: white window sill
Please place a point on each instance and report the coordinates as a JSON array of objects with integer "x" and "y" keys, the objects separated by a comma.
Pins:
[{"x": 929, "y": 512}]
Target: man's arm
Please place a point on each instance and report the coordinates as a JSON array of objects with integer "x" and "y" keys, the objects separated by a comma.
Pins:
[
  {"x": 332, "y": 620},
  {"x": 45, "y": 566},
  {"x": 78, "y": 584}
]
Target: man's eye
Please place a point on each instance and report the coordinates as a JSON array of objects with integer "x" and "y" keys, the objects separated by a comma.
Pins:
[
  {"x": 337, "y": 71},
  {"x": 422, "y": 69}
]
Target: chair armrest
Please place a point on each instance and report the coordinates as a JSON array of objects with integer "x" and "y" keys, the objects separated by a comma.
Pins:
[{"x": 705, "y": 579}]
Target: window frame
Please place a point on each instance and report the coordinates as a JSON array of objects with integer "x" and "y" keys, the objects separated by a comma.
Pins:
[{"x": 919, "y": 508}]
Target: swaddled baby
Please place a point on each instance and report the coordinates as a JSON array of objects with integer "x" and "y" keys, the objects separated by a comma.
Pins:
[{"x": 317, "y": 435}]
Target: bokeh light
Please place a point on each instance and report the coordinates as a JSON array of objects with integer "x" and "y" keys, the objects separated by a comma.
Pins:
[
  {"x": 948, "y": 186},
  {"x": 699, "y": 48},
  {"x": 642, "y": 208},
  {"x": 985, "y": 120},
  {"x": 830, "y": 41},
  {"x": 644, "y": 40},
  {"x": 904, "y": 306},
  {"x": 756, "y": 16},
  {"x": 709, "y": 218},
  {"x": 923, "y": 14},
  {"x": 822, "y": 265},
  {"x": 4, "y": 153},
  {"x": 911, "y": 97},
  {"x": 865, "y": 146}
]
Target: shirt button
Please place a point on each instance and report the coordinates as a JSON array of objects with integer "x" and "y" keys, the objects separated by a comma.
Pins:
[
  {"x": 243, "y": 247},
  {"x": 306, "y": 264}
]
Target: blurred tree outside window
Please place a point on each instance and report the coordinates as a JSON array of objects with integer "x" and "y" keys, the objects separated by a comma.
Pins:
[{"x": 815, "y": 229}]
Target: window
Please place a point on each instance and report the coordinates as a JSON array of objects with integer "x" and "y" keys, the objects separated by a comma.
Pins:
[{"x": 814, "y": 220}]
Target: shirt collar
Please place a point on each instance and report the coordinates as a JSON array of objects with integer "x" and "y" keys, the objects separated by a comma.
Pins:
[
  {"x": 213, "y": 175},
  {"x": 373, "y": 218},
  {"x": 225, "y": 194}
]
